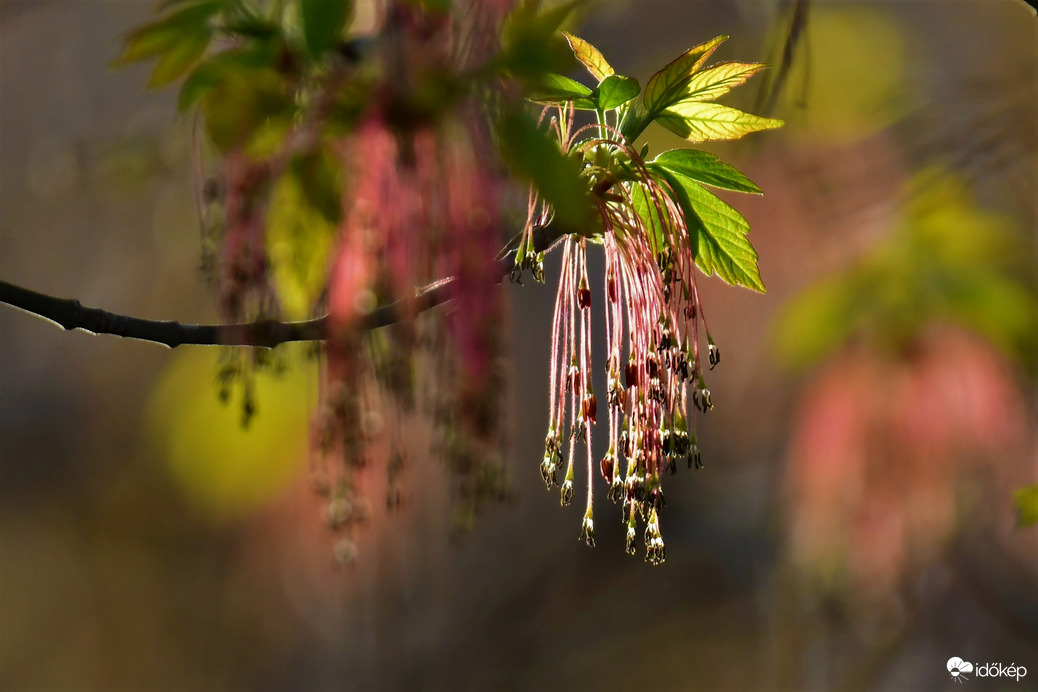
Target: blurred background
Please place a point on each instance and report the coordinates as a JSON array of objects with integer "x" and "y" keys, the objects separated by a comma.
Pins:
[{"x": 854, "y": 527}]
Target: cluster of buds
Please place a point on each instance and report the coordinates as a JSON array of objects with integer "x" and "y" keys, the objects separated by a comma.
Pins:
[{"x": 653, "y": 319}]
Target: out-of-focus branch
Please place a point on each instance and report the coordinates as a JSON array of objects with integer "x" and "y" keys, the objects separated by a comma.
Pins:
[{"x": 70, "y": 314}]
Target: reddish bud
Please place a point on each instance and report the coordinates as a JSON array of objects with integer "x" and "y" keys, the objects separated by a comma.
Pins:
[
  {"x": 590, "y": 408},
  {"x": 631, "y": 375},
  {"x": 607, "y": 469},
  {"x": 583, "y": 297}
]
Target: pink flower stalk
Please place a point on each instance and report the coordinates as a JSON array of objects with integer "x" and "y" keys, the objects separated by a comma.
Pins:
[{"x": 650, "y": 297}]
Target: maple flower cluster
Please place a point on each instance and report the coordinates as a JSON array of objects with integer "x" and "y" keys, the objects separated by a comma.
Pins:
[{"x": 654, "y": 361}]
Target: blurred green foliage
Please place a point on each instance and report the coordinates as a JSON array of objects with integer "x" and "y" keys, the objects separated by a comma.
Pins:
[
  {"x": 223, "y": 467},
  {"x": 1026, "y": 501},
  {"x": 948, "y": 261}
]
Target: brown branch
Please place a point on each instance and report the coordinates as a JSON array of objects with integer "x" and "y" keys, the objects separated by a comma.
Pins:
[{"x": 70, "y": 314}]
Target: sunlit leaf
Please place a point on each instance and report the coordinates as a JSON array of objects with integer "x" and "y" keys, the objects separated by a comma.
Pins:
[
  {"x": 723, "y": 248},
  {"x": 666, "y": 85},
  {"x": 1025, "y": 500},
  {"x": 703, "y": 122},
  {"x": 704, "y": 167},
  {"x": 166, "y": 34},
  {"x": 717, "y": 80},
  {"x": 590, "y": 57},
  {"x": 616, "y": 90}
]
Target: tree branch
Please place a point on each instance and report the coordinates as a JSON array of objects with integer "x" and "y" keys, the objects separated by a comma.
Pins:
[{"x": 70, "y": 314}]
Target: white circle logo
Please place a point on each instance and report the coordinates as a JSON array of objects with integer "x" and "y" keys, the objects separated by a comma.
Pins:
[{"x": 958, "y": 668}]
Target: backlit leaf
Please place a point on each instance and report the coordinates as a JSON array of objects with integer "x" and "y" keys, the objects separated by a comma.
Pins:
[
  {"x": 666, "y": 85},
  {"x": 590, "y": 56},
  {"x": 723, "y": 248},
  {"x": 704, "y": 167},
  {"x": 174, "y": 63},
  {"x": 703, "y": 122},
  {"x": 717, "y": 80},
  {"x": 167, "y": 33}
]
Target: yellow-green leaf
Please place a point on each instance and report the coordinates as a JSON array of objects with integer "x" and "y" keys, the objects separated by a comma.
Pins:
[
  {"x": 175, "y": 62},
  {"x": 166, "y": 34},
  {"x": 667, "y": 84},
  {"x": 702, "y": 122},
  {"x": 717, "y": 80},
  {"x": 590, "y": 56}
]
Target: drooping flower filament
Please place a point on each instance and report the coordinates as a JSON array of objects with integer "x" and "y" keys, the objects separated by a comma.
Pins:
[{"x": 652, "y": 330}]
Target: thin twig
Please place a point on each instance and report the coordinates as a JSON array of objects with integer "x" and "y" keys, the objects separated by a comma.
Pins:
[{"x": 70, "y": 314}]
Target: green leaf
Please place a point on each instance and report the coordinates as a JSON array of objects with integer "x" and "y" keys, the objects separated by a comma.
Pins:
[
  {"x": 666, "y": 86},
  {"x": 616, "y": 90},
  {"x": 165, "y": 34},
  {"x": 657, "y": 230},
  {"x": 323, "y": 23},
  {"x": 535, "y": 156},
  {"x": 590, "y": 57},
  {"x": 722, "y": 247},
  {"x": 717, "y": 80},
  {"x": 181, "y": 58},
  {"x": 704, "y": 167},
  {"x": 220, "y": 68},
  {"x": 1025, "y": 500},
  {"x": 556, "y": 88},
  {"x": 702, "y": 122}
]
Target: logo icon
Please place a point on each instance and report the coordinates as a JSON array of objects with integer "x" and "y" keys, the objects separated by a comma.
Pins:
[{"x": 958, "y": 669}]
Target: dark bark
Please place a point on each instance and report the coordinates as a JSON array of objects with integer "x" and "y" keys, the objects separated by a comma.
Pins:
[{"x": 70, "y": 314}]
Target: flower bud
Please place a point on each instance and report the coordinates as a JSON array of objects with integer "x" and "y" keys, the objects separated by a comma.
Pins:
[
  {"x": 608, "y": 466},
  {"x": 583, "y": 295},
  {"x": 590, "y": 406}
]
